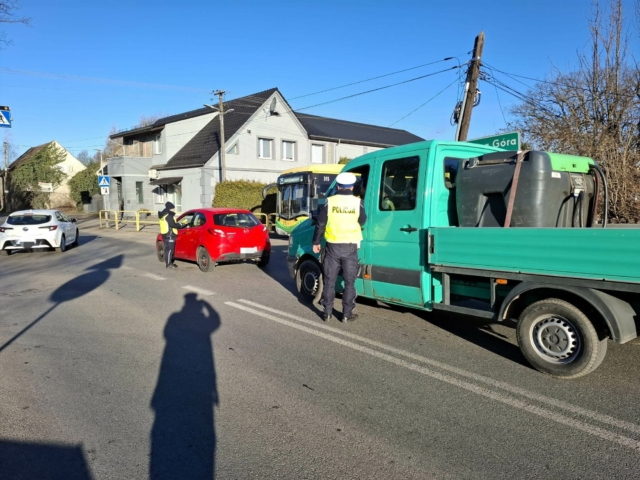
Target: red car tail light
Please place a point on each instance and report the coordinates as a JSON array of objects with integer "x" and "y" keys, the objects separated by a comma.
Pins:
[
  {"x": 216, "y": 231},
  {"x": 51, "y": 228}
]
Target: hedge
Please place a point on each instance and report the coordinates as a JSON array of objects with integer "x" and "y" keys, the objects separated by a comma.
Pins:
[
  {"x": 245, "y": 194},
  {"x": 84, "y": 184}
]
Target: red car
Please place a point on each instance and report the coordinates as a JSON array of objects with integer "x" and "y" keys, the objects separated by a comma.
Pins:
[{"x": 214, "y": 235}]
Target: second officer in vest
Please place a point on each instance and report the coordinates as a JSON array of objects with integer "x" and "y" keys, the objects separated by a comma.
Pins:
[{"x": 340, "y": 222}]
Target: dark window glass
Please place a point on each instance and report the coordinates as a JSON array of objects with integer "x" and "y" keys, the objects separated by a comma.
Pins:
[
  {"x": 199, "y": 219},
  {"x": 28, "y": 219},
  {"x": 399, "y": 184},
  {"x": 240, "y": 220},
  {"x": 450, "y": 172}
]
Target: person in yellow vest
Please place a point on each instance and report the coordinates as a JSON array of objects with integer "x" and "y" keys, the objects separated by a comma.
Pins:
[
  {"x": 169, "y": 231},
  {"x": 340, "y": 221}
]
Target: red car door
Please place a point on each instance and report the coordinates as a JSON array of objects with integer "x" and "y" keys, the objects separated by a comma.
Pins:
[
  {"x": 197, "y": 230},
  {"x": 184, "y": 235}
]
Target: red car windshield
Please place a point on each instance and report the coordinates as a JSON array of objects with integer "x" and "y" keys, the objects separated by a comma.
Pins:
[
  {"x": 28, "y": 219},
  {"x": 240, "y": 220}
]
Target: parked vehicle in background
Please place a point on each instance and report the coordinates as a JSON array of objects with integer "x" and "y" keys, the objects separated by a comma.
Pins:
[
  {"x": 502, "y": 235},
  {"x": 37, "y": 229},
  {"x": 216, "y": 235},
  {"x": 299, "y": 190}
]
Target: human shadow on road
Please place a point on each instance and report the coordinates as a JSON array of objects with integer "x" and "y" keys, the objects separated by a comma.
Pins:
[
  {"x": 183, "y": 436},
  {"x": 29, "y": 460},
  {"x": 75, "y": 288}
]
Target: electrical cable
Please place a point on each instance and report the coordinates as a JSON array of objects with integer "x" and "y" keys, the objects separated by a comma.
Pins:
[{"x": 373, "y": 78}]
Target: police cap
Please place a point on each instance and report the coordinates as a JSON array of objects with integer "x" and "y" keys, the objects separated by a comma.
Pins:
[{"x": 346, "y": 179}]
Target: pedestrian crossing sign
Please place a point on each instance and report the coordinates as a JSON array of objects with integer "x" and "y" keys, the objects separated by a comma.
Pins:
[
  {"x": 104, "y": 181},
  {"x": 5, "y": 117}
]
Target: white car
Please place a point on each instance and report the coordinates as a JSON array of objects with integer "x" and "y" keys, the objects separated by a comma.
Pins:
[{"x": 37, "y": 229}]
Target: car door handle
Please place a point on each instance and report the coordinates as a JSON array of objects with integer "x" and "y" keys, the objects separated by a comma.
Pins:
[{"x": 408, "y": 229}]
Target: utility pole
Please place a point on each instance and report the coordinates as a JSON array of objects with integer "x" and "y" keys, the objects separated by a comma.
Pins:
[
  {"x": 223, "y": 152},
  {"x": 471, "y": 87}
]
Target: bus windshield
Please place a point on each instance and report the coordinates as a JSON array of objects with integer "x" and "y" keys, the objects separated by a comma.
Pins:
[{"x": 293, "y": 200}]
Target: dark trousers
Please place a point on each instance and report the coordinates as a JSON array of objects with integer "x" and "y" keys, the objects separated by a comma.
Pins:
[
  {"x": 169, "y": 248},
  {"x": 340, "y": 256}
]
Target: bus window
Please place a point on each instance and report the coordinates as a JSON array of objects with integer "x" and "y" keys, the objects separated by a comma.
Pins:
[{"x": 299, "y": 199}]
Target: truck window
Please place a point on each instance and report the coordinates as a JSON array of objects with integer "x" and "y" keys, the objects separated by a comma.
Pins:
[
  {"x": 450, "y": 171},
  {"x": 399, "y": 184}
]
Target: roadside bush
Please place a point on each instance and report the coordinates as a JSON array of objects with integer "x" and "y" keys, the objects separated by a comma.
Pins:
[
  {"x": 245, "y": 194},
  {"x": 84, "y": 184},
  {"x": 344, "y": 160}
]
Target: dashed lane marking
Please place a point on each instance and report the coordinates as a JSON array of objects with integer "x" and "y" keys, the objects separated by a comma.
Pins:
[
  {"x": 497, "y": 396},
  {"x": 201, "y": 291},
  {"x": 155, "y": 277}
]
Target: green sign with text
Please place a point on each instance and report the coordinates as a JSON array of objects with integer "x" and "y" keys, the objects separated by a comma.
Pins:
[{"x": 506, "y": 141}]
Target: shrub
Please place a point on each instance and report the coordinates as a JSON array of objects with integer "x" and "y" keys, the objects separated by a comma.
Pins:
[
  {"x": 344, "y": 160},
  {"x": 84, "y": 184},
  {"x": 245, "y": 194}
]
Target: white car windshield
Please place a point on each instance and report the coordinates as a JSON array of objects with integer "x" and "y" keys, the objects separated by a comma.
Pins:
[{"x": 27, "y": 219}]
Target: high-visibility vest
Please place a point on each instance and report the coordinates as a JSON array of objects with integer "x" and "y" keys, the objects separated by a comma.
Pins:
[
  {"x": 164, "y": 226},
  {"x": 342, "y": 219}
]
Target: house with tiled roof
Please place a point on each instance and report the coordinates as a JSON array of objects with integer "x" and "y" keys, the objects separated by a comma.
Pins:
[
  {"x": 60, "y": 196},
  {"x": 177, "y": 158}
]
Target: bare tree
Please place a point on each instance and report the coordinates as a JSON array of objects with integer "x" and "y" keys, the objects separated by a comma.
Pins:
[
  {"x": 8, "y": 14},
  {"x": 146, "y": 120},
  {"x": 594, "y": 111}
]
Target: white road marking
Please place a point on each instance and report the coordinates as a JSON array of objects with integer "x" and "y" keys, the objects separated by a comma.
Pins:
[
  {"x": 485, "y": 392},
  {"x": 606, "y": 419},
  {"x": 155, "y": 277},
  {"x": 201, "y": 291}
]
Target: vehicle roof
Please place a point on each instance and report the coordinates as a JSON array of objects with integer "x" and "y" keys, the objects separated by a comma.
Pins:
[
  {"x": 218, "y": 210},
  {"x": 320, "y": 168},
  {"x": 35, "y": 211}
]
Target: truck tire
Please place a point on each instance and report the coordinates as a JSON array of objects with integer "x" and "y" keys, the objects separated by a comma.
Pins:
[
  {"x": 559, "y": 340},
  {"x": 309, "y": 281}
]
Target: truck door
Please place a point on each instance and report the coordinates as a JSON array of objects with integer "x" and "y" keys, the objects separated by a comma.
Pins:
[{"x": 395, "y": 247}]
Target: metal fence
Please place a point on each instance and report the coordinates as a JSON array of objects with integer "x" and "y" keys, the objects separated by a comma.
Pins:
[{"x": 119, "y": 218}]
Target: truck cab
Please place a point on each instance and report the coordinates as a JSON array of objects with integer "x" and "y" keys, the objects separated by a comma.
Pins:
[{"x": 438, "y": 235}]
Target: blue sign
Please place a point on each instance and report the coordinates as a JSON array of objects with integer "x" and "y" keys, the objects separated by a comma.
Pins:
[
  {"x": 104, "y": 181},
  {"x": 5, "y": 117}
]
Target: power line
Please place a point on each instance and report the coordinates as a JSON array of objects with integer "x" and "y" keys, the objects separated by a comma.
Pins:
[
  {"x": 499, "y": 102},
  {"x": 416, "y": 109},
  {"x": 373, "y": 78},
  {"x": 377, "y": 89}
]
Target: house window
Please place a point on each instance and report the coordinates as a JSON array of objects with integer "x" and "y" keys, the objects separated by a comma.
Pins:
[
  {"x": 265, "y": 148},
  {"x": 288, "y": 151},
  {"x": 234, "y": 150},
  {"x": 139, "y": 192},
  {"x": 317, "y": 153},
  {"x": 157, "y": 144}
]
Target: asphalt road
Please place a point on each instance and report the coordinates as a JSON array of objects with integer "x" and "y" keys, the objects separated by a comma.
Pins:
[{"x": 112, "y": 367}]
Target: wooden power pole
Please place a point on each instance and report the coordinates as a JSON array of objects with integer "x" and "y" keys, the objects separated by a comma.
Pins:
[
  {"x": 223, "y": 157},
  {"x": 471, "y": 87}
]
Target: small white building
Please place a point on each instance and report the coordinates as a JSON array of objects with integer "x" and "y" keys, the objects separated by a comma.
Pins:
[
  {"x": 60, "y": 196},
  {"x": 177, "y": 158}
]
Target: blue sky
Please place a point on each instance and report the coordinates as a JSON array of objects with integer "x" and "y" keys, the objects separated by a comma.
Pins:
[{"x": 97, "y": 64}]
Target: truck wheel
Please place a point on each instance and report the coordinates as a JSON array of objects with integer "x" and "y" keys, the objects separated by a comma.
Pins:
[
  {"x": 558, "y": 339},
  {"x": 160, "y": 251},
  {"x": 309, "y": 281}
]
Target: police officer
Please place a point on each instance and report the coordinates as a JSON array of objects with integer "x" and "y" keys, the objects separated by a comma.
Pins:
[
  {"x": 169, "y": 230},
  {"x": 340, "y": 222}
]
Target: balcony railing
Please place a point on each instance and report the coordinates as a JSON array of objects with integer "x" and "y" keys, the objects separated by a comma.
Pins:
[{"x": 138, "y": 149}]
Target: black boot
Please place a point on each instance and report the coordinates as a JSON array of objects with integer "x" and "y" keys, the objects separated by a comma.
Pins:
[
  {"x": 326, "y": 317},
  {"x": 350, "y": 318}
]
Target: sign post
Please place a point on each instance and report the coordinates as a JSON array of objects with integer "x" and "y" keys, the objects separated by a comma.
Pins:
[{"x": 505, "y": 141}]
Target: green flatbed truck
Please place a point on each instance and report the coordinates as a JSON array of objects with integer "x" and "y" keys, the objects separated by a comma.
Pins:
[{"x": 436, "y": 239}]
